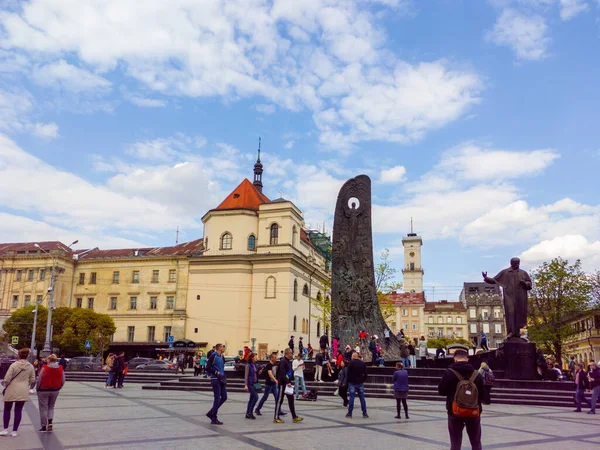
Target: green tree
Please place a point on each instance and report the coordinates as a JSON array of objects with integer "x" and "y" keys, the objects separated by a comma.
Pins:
[
  {"x": 560, "y": 292},
  {"x": 445, "y": 342},
  {"x": 323, "y": 304},
  {"x": 74, "y": 326},
  {"x": 386, "y": 284},
  {"x": 20, "y": 323}
]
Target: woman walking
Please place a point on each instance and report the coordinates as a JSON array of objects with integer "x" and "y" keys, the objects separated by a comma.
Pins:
[
  {"x": 488, "y": 382},
  {"x": 49, "y": 383},
  {"x": 108, "y": 365},
  {"x": 203, "y": 360},
  {"x": 196, "y": 364},
  {"x": 422, "y": 348},
  {"x": 17, "y": 382},
  {"x": 400, "y": 379},
  {"x": 343, "y": 383},
  {"x": 250, "y": 380}
]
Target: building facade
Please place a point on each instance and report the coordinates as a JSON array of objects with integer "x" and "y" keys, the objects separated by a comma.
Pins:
[
  {"x": 409, "y": 308},
  {"x": 413, "y": 271},
  {"x": 584, "y": 344},
  {"x": 446, "y": 319},
  {"x": 485, "y": 312}
]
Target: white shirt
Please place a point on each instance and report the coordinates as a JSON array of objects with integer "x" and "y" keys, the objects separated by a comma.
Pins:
[
  {"x": 357, "y": 349},
  {"x": 386, "y": 333},
  {"x": 298, "y": 367}
]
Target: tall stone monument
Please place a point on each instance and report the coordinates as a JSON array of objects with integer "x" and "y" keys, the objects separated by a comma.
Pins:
[{"x": 354, "y": 305}]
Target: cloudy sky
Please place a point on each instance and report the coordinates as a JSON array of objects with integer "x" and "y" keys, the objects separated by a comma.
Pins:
[{"x": 121, "y": 122}]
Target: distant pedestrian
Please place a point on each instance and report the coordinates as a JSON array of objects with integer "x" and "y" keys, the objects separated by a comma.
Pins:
[
  {"x": 108, "y": 367},
  {"x": 484, "y": 345},
  {"x": 270, "y": 383},
  {"x": 300, "y": 346},
  {"x": 413, "y": 355},
  {"x": 190, "y": 361},
  {"x": 49, "y": 383},
  {"x": 180, "y": 364},
  {"x": 404, "y": 353},
  {"x": 386, "y": 335},
  {"x": 373, "y": 350},
  {"x": 203, "y": 360},
  {"x": 246, "y": 352},
  {"x": 343, "y": 383},
  {"x": 196, "y": 364},
  {"x": 119, "y": 366},
  {"x": 324, "y": 342},
  {"x": 581, "y": 385},
  {"x": 401, "y": 334},
  {"x": 400, "y": 380},
  {"x": 298, "y": 367},
  {"x": 285, "y": 378},
  {"x": 216, "y": 369},
  {"x": 63, "y": 362},
  {"x": 440, "y": 352},
  {"x": 18, "y": 380},
  {"x": 465, "y": 380},
  {"x": 335, "y": 346},
  {"x": 348, "y": 353},
  {"x": 319, "y": 367},
  {"x": 357, "y": 375},
  {"x": 291, "y": 343},
  {"x": 594, "y": 376},
  {"x": 488, "y": 381},
  {"x": 572, "y": 367},
  {"x": 310, "y": 351},
  {"x": 422, "y": 348},
  {"x": 250, "y": 384}
]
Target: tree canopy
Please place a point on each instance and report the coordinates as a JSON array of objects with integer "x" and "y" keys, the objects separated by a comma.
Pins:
[
  {"x": 20, "y": 323},
  {"x": 386, "y": 284}
]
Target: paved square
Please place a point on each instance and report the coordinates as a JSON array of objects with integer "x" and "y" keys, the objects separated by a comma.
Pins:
[{"x": 88, "y": 416}]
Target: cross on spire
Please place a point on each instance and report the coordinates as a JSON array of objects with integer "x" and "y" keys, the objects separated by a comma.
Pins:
[{"x": 258, "y": 170}]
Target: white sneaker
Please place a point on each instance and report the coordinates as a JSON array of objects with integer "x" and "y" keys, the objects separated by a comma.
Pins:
[
  {"x": 4, "y": 433},
  {"x": 13, "y": 434}
]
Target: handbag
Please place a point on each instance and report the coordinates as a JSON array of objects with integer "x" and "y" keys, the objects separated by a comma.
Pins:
[{"x": 258, "y": 387}]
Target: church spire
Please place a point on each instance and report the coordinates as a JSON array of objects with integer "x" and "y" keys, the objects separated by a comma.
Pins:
[{"x": 258, "y": 170}]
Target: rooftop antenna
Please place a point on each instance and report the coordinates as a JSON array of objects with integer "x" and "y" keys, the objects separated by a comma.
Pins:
[
  {"x": 177, "y": 236},
  {"x": 258, "y": 149},
  {"x": 411, "y": 226}
]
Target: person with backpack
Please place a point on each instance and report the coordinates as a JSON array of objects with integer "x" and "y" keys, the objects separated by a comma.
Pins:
[
  {"x": 463, "y": 388},
  {"x": 49, "y": 383},
  {"x": 488, "y": 381},
  {"x": 216, "y": 369},
  {"x": 400, "y": 379}
]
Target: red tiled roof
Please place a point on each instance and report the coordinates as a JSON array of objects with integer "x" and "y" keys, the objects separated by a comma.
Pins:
[
  {"x": 444, "y": 305},
  {"x": 406, "y": 298},
  {"x": 245, "y": 196},
  {"x": 186, "y": 248},
  {"x": 305, "y": 238},
  {"x": 30, "y": 247}
]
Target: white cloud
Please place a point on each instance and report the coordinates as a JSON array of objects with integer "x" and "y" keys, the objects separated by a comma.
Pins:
[
  {"x": 165, "y": 149},
  {"x": 16, "y": 106},
  {"x": 45, "y": 130},
  {"x": 289, "y": 145},
  {"x": 147, "y": 102},
  {"x": 65, "y": 76},
  {"x": 572, "y": 8},
  {"x": 571, "y": 247},
  {"x": 525, "y": 34},
  {"x": 265, "y": 109},
  {"x": 393, "y": 175}
]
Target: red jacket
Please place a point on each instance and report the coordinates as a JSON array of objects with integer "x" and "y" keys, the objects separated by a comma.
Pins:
[{"x": 51, "y": 378}]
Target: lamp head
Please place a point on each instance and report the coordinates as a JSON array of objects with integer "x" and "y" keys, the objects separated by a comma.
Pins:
[{"x": 36, "y": 245}]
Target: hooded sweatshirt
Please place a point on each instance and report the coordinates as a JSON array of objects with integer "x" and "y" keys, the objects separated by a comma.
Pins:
[
  {"x": 51, "y": 378},
  {"x": 449, "y": 382}
]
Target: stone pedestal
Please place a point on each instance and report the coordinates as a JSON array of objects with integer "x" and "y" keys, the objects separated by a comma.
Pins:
[{"x": 518, "y": 358}]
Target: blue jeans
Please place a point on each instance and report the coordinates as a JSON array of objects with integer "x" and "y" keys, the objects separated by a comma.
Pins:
[
  {"x": 111, "y": 377},
  {"x": 595, "y": 395},
  {"x": 354, "y": 388},
  {"x": 406, "y": 361},
  {"x": 220, "y": 393},
  {"x": 268, "y": 390},
  {"x": 580, "y": 398},
  {"x": 253, "y": 399},
  {"x": 299, "y": 381}
]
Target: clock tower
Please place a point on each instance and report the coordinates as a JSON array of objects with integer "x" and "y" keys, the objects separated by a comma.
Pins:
[{"x": 412, "y": 271}]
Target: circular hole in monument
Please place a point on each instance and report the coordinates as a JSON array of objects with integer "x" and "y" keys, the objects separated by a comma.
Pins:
[{"x": 354, "y": 201}]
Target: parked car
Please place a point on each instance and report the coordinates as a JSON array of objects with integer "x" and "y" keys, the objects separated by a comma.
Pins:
[
  {"x": 84, "y": 363},
  {"x": 156, "y": 365},
  {"x": 230, "y": 366},
  {"x": 133, "y": 363}
]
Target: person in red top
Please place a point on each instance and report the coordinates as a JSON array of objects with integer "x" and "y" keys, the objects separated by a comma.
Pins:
[
  {"x": 50, "y": 381},
  {"x": 246, "y": 353}
]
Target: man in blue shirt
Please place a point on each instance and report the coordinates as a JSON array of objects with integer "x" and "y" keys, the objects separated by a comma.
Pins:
[{"x": 216, "y": 369}]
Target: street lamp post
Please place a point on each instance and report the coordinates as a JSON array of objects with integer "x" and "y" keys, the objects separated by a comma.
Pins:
[
  {"x": 32, "y": 349},
  {"x": 47, "y": 344}
]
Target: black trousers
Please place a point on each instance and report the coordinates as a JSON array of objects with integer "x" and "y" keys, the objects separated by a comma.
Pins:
[
  {"x": 404, "y": 404},
  {"x": 455, "y": 429},
  {"x": 290, "y": 399},
  {"x": 344, "y": 394}
]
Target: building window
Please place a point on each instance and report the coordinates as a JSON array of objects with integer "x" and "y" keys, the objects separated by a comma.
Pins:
[
  {"x": 153, "y": 302},
  {"x": 270, "y": 287},
  {"x": 79, "y": 303},
  {"x": 90, "y": 303},
  {"x": 459, "y": 320},
  {"x": 473, "y": 328},
  {"x": 405, "y": 312},
  {"x": 496, "y": 314},
  {"x": 498, "y": 328},
  {"x": 167, "y": 333},
  {"x": 431, "y": 319},
  {"x": 170, "y": 302},
  {"x": 449, "y": 319},
  {"x": 318, "y": 329},
  {"x": 486, "y": 314},
  {"x": 226, "y": 241},
  {"x": 294, "y": 323},
  {"x": 93, "y": 278},
  {"x": 431, "y": 332},
  {"x": 82, "y": 278},
  {"x": 135, "y": 277},
  {"x": 172, "y": 276},
  {"x": 305, "y": 290},
  {"x": 415, "y": 326},
  {"x": 294, "y": 236},
  {"x": 251, "y": 242},
  {"x": 27, "y": 300},
  {"x": 459, "y": 333},
  {"x": 274, "y": 234},
  {"x": 440, "y": 333},
  {"x": 472, "y": 313},
  {"x": 151, "y": 331},
  {"x": 39, "y": 299},
  {"x": 15, "y": 301},
  {"x": 295, "y": 290},
  {"x": 42, "y": 274},
  {"x": 132, "y": 302},
  {"x": 405, "y": 326},
  {"x": 440, "y": 319},
  {"x": 412, "y": 266},
  {"x": 414, "y": 312},
  {"x": 113, "y": 303},
  {"x": 19, "y": 275},
  {"x": 130, "y": 334},
  {"x": 486, "y": 327},
  {"x": 155, "y": 276},
  {"x": 30, "y": 275}
]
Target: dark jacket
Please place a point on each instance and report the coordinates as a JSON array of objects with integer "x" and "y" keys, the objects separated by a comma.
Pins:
[
  {"x": 372, "y": 347},
  {"x": 411, "y": 349},
  {"x": 595, "y": 374},
  {"x": 343, "y": 377},
  {"x": 400, "y": 379},
  {"x": 285, "y": 366},
  {"x": 119, "y": 364},
  {"x": 357, "y": 372},
  {"x": 319, "y": 359},
  {"x": 449, "y": 382},
  {"x": 584, "y": 383},
  {"x": 324, "y": 341},
  {"x": 291, "y": 344}
]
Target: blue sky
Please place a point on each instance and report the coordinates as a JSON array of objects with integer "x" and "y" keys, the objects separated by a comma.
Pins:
[{"x": 120, "y": 122}]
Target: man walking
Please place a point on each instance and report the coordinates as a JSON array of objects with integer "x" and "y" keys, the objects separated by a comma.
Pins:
[
  {"x": 462, "y": 371},
  {"x": 484, "y": 345},
  {"x": 356, "y": 377},
  {"x": 285, "y": 378},
  {"x": 572, "y": 367},
  {"x": 301, "y": 346},
  {"x": 594, "y": 376},
  {"x": 581, "y": 385},
  {"x": 319, "y": 366},
  {"x": 119, "y": 370},
  {"x": 298, "y": 366},
  {"x": 180, "y": 364},
  {"x": 270, "y": 383},
  {"x": 216, "y": 369}
]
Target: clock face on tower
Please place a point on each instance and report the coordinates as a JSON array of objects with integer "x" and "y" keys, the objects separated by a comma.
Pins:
[{"x": 412, "y": 253}]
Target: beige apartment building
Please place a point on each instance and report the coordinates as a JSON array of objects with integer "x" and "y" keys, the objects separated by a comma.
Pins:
[
  {"x": 409, "y": 308},
  {"x": 446, "y": 319}
]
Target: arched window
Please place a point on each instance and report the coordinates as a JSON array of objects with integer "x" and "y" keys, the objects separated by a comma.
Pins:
[
  {"x": 270, "y": 287},
  {"x": 459, "y": 320},
  {"x": 449, "y": 320},
  {"x": 226, "y": 241},
  {"x": 295, "y": 290},
  {"x": 251, "y": 242},
  {"x": 295, "y": 323},
  {"x": 274, "y": 234},
  {"x": 294, "y": 236},
  {"x": 431, "y": 320},
  {"x": 305, "y": 289},
  {"x": 318, "y": 329},
  {"x": 302, "y": 325},
  {"x": 319, "y": 296}
]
